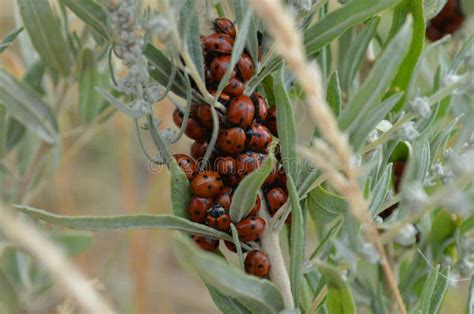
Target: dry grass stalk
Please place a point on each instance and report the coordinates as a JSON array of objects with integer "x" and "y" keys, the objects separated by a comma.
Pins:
[
  {"x": 289, "y": 44},
  {"x": 52, "y": 258}
]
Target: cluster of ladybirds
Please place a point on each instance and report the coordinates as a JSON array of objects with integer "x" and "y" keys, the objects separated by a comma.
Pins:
[
  {"x": 448, "y": 21},
  {"x": 245, "y": 132}
]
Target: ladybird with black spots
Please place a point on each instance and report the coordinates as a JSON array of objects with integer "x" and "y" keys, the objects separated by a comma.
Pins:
[
  {"x": 261, "y": 107},
  {"x": 207, "y": 184},
  {"x": 225, "y": 165},
  {"x": 217, "y": 43},
  {"x": 217, "y": 218},
  {"x": 258, "y": 137},
  {"x": 232, "y": 141},
  {"x": 246, "y": 67},
  {"x": 271, "y": 121},
  {"x": 256, "y": 208},
  {"x": 241, "y": 111},
  {"x": 276, "y": 197},
  {"x": 250, "y": 229},
  {"x": 224, "y": 26},
  {"x": 207, "y": 244},
  {"x": 225, "y": 198},
  {"x": 187, "y": 164},
  {"x": 197, "y": 208},
  {"x": 247, "y": 162},
  {"x": 257, "y": 263},
  {"x": 219, "y": 66}
]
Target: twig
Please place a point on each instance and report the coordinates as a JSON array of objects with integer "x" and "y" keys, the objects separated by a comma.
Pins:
[
  {"x": 289, "y": 44},
  {"x": 65, "y": 273},
  {"x": 317, "y": 301}
]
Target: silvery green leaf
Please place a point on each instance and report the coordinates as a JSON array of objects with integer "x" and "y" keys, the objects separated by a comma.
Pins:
[
  {"x": 297, "y": 240},
  {"x": 380, "y": 191},
  {"x": 338, "y": 21},
  {"x": 418, "y": 163},
  {"x": 440, "y": 141},
  {"x": 119, "y": 105},
  {"x": 339, "y": 297},
  {"x": 180, "y": 191},
  {"x": 308, "y": 176},
  {"x": 378, "y": 81},
  {"x": 34, "y": 76},
  {"x": 439, "y": 291},
  {"x": 357, "y": 52},
  {"x": 433, "y": 7},
  {"x": 407, "y": 68},
  {"x": 286, "y": 127},
  {"x": 15, "y": 131},
  {"x": 225, "y": 303},
  {"x": 7, "y": 41},
  {"x": 124, "y": 222},
  {"x": 91, "y": 13},
  {"x": 245, "y": 195},
  {"x": 470, "y": 301},
  {"x": 72, "y": 242},
  {"x": 240, "y": 8},
  {"x": 3, "y": 129},
  {"x": 333, "y": 94},
  {"x": 90, "y": 102},
  {"x": 428, "y": 290},
  {"x": 44, "y": 29},
  {"x": 189, "y": 30},
  {"x": 258, "y": 295},
  {"x": 324, "y": 206},
  {"x": 358, "y": 133},
  {"x": 238, "y": 48},
  {"x": 26, "y": 106},
  {"x": 460, "y": 58}
]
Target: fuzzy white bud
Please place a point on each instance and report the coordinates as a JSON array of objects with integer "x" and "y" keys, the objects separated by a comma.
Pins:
[
  {"x": 420, "y": 106},
  {"x": 408, "y": 132},
  {"x": 407, "y": 235}
]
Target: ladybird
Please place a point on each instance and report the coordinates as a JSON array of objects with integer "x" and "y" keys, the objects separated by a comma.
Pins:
[
  {"x": 204, "y": 114},
  {"x": 177, "y": 118},
  {"x": 219, "y": 66},
  {"x": 234, "y": 88},
  {"x": 232, "y": 140},
  {"x": 240, "y": 111},
  {"x": 256, "y": 208},
  {"x": 197, "y": 208},
  {"x": 223, "y": 97},
  {"x": 224, "y": 26},
  {"x": 276, "y": 197},
  {"x": 258, "y": 137},
  {"x": 187, "y": 164},
  {"x": 272, "y": 178},
  {"x": 248, "y": 162},
  {"x": 207, "y": 184},
  {"x": 225, "y": 198},
  {"x": 257, "y": 263},
  {"x": 221, "y": 43},
  {"x": 206, "y": 244},
  {"x": 217, "y": 218},
  {"x": 246, "y": 67},
  {"x": 250, "y": 229},
  {"x": 232, "y": 180},
  {"x": 225, "y": 165},
  {"x": 271, "y": 121},
  {"x": 198, "y": 149},
  {"x": 261, "y": 107},
  {"x": 231, "y": 247},
  {"x": 193, "y": 129}
]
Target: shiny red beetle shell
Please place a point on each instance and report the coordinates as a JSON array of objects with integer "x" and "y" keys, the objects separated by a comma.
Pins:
[
  {"x": 225, "y": 165},
  {"x": 272, "y": 178},
  {"x": 219, "y": 66},
  {"x": 206, "y": 244},
  {"x": 232, "y": 140},
  {"x": 247, "y": 162},
  {"x": 217, "y": 218},
  {"x": 198, "y": 149},
  {"x": 224, "y": 26},
  {"x": 276, "y": 197},
  {"x": 250, "y": 229},
  {"x": 195, "y": 131},
  {"x": 258, "y": 137},
  {"x": 261, "y": 107},
  {"x": 271, "y": 122},
  {"x": 207, "y": 184},
  {"x": 225, "y": 198},
  {"x": 187, "y": 164},
  {"x": 205, "y": 116},
  {"x": 223, "y": 97},
  {"x": 221, "y": 43},
  {"x": 240, "y": 111},
  {"x": 256, "y": 208},
  {"x": 257, "y": 263},
  {"x": 197, "y": 208},
  {"x": 246, "y": 67},
  {"x": 234, "y": 88},
  {"x": 232, "y": 180}
]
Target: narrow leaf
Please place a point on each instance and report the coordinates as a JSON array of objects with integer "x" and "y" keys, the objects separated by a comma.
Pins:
[
  {"x": 14, "y": 133},
  {"x": 90, "y": 100},
  {"x": 26, "y": 106},
  {"x": 286, "y": 127},
  {"x": 240, "y": 8},
  {"x": 122, "y": 222},
  {"x": 44, "y": 29},
  {"x": 91, "y": 13},
  {"x": 380, "y": 191},
  {"x": 339, "y": 297},
  {"x": 245, "y": 195},
  {"x": 324, "y": 206},
  {"x": 333, "y": 94},
  {"x": 378, "y": 81},
  {"x": 180, "y": 191},
  {"x": 439, "y": 291},
  {"x": 338, "y": 21},
  {"x": 7, "y": 41},
  {"x": 427, "y": 292},
  {"x": 470, "y": 302},
  {"x": 225, "y": 303},
  {"x": 119, "y": 105},
  {"x": 258, "y": 295}
]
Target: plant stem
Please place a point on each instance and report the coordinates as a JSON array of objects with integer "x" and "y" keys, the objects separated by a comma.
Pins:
[{"x": 317, "y": 301}]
